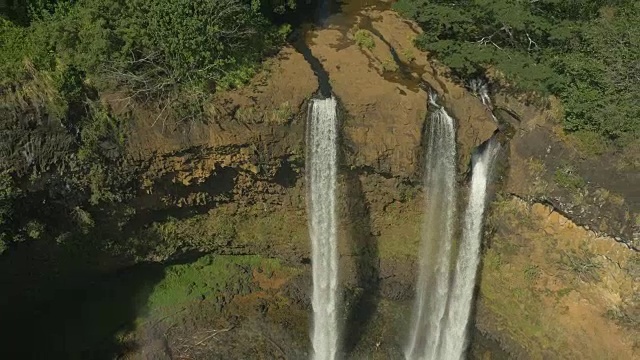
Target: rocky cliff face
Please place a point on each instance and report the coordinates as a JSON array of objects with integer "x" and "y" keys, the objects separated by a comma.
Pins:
[{"x": 559, "y": 274}]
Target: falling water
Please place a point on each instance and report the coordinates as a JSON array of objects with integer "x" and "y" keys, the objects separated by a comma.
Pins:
[
  {"x": 454, "y": 337},
  {"x": 481, "y": 89},
  {"x": 321, "y": 164},
  {"x": 433, "y": 278}
]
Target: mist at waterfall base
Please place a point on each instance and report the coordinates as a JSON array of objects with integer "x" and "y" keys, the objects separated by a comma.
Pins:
[
  {"x": 442, "y": 308},
  {"x": 322, "y": 172},
  {"x": 433, "y": 279}
]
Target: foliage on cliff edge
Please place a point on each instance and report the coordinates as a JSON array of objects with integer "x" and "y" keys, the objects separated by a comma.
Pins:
[
  {"x": 62, "y": 158},
  {"x": 585, "y": 52}
]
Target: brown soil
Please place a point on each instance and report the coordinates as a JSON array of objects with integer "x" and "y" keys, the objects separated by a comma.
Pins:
[
  {"x": 379, "y": 90},
  {"x": 551, "y": 287}
]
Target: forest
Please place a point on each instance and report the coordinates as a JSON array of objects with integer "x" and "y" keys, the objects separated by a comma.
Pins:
[{"x": 585, "y": 52}]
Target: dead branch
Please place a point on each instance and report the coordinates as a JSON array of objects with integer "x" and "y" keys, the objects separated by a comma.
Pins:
[{"x": 214, "y": 333}]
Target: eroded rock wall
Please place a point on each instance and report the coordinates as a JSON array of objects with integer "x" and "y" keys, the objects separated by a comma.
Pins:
[{"x": 235, "y": 184}]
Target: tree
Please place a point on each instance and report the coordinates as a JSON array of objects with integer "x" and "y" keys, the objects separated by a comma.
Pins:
[{"x": 585, "y": 52}]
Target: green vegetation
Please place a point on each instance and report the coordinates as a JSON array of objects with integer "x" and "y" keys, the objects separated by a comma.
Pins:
[
  {"x": 591, "y": 143},
  {"x": 389, "y": 65},
  {"x": 364, "y": 39},
  {"x": 61, "y": 63},
  {"x": 585, "y": 52},
  {"x": 633, "y": 267},
  {"x": 532, "y": 272},
  {"x": 408, "y": 55},
  {"x": 581, "y": 264},
  {"x": 206, "y": 278},
  {"x": 536, "y": 171},
  {"x": 108, "y": 312},
  {"x": 281, "y": 115},
  {"x": 567, "y": 178}
]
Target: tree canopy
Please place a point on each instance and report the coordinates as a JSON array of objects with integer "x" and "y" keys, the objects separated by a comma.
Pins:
[{"x": 587, "y": 52}]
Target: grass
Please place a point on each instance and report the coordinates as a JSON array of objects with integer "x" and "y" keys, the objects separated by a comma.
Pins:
[
  {"x": 400, "y": 230},
  {"x": 273, "y": 229},
  {"x": 508, "y": 211},
  {"x": 536, "y": 171},
  {"x": 590, "y": 143},
  {"x": 96, "y": 320},
  {"x": 282, "y": 115},
  {"x": 583, "y": 265},
  {"x": 530, "y": 280},
  {"x": 364, "y": 39},
  {"x": 532, "y": 273},
  {"x": 564, "y": 292},
  {"x": 209, "y": 277},
  {"x": 408, "y": 55},
  {"x": 390, "y": 65},
  {"x": 605, "y": 195},
  {"x": 256, "y": 227},
  {"x": 492, "y": 260},
  {"x": 625, "y": 316},
  {"x": 516, "y": 306},
  {"x": 629, "y": 156},
  {"x": 633, "y": 267},
  {"x": 407, "y": 192},
  {"x": 567, "y": 178},
  {"x": 248, "y": 115},
  {"x": 510, "y": 274}
]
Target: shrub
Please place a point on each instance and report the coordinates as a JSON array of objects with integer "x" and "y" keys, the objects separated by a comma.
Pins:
[
  {"x": 364, "y": 39},
  {"x": 567, "y": 178},
  {"x": 532, "y": 272},
  {"x": 281, "y": 115},
  {"x": 590, "y": 142},
  {"x": 581, "y": 264},
  {"x": 390, "y": 65}
]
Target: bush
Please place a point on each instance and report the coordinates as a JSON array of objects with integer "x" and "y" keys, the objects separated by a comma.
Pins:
[
  {"x": 364, "y": 39},
  {"x": 567, "y": 178},
  {"x": 532, "y": 273},
  {"x": 590, "y": 142},
  {"x": 583, "y": 265},
  {"x": 153, "y": 48}
]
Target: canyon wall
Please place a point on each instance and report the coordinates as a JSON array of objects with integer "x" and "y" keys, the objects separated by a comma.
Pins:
[{"x": 560, "y": 268}]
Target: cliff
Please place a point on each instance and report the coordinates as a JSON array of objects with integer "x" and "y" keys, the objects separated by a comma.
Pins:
[{"x": 559, "y": 275}]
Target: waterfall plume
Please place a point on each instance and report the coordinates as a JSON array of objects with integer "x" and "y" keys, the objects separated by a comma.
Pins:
[
  {"x": 321, "y": 175},
  {"x": 454, "y": 335},
  {"x": 433, "y": 279}
]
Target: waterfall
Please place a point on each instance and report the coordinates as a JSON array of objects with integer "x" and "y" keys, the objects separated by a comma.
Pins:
[
  {"x": 480, "y": 88},
  {"x": 433, "y": 279},
  {"x": 322, "y": 170},
  {"x": 454, "y": 337}
]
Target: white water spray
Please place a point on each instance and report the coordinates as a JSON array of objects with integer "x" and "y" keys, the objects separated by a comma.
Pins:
[
  {"x": 481, "y": 89},
  {"x": 322, "y": 170},
  {"x": 454, "y": 336},
  {"x": 435, "y": 253}
]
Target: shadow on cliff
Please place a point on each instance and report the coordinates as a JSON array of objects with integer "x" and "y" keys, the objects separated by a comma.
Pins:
[
  {"x": 364, "y": 301},
  {"x": 58, "y": 306},
  {"x": 480, "y": 342}
]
